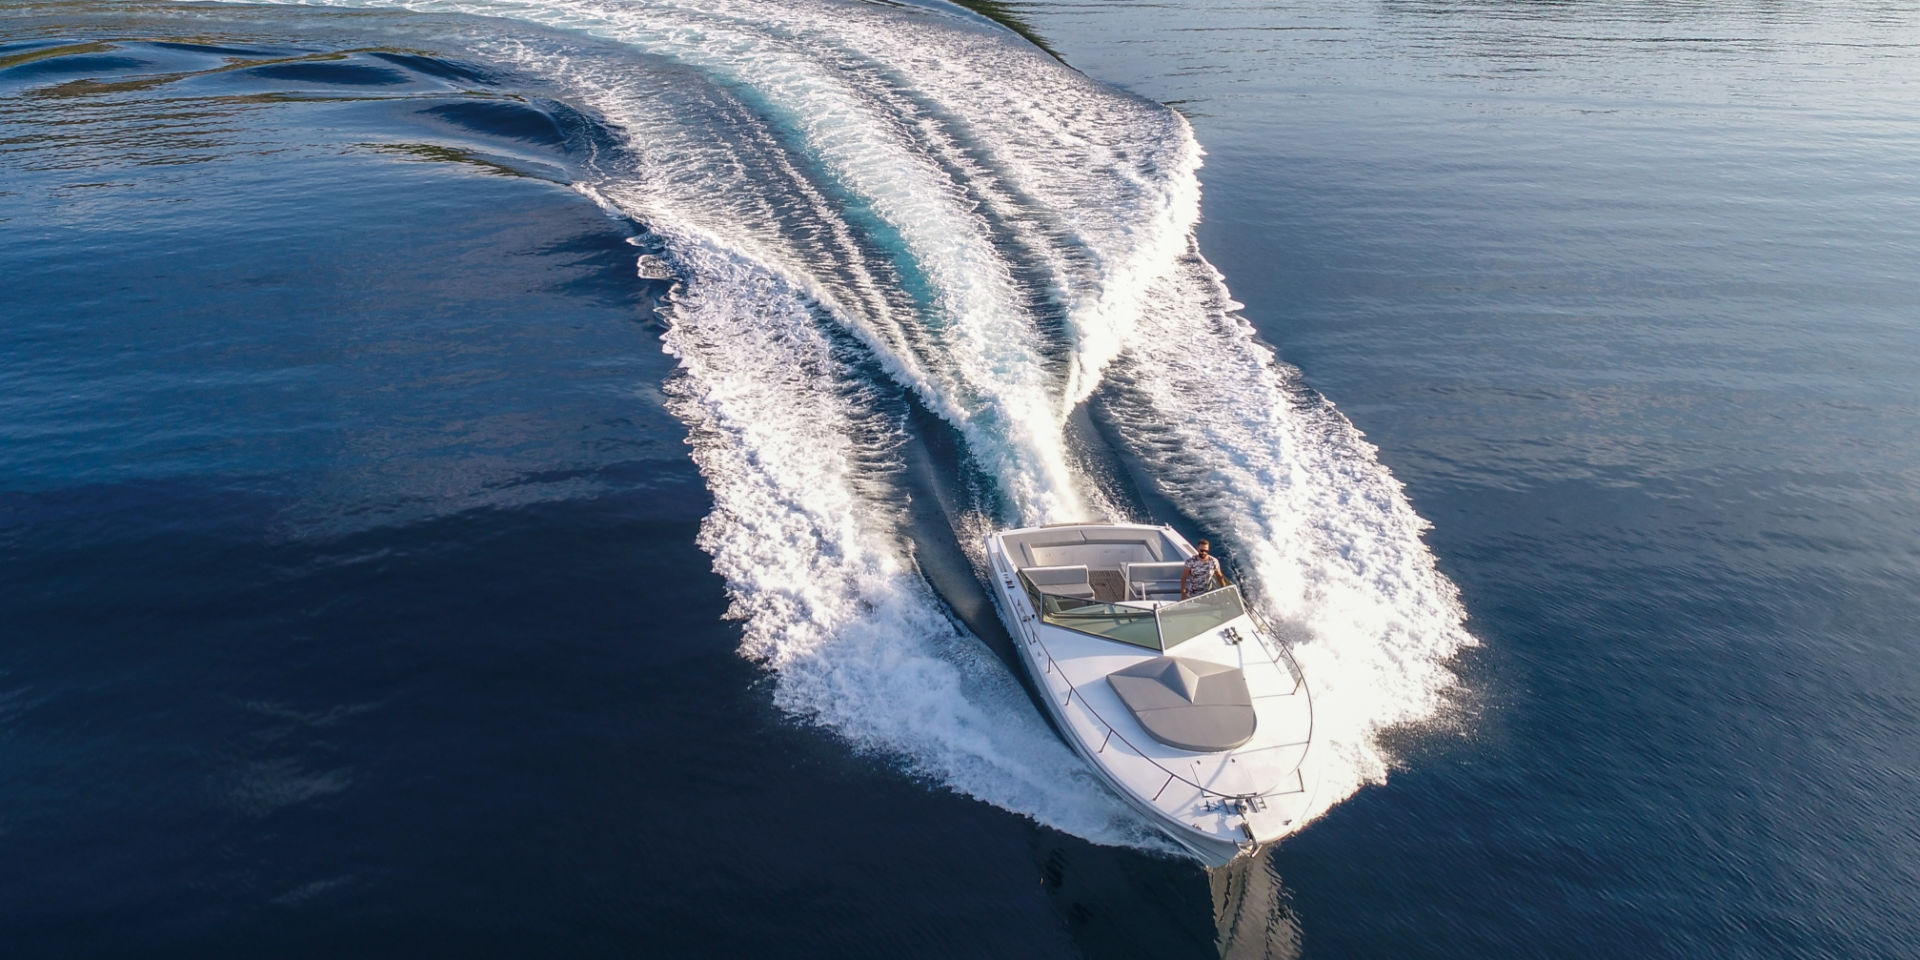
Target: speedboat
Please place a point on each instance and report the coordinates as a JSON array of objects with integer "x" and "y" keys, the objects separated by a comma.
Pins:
[{"x": 1190, "y": 709}]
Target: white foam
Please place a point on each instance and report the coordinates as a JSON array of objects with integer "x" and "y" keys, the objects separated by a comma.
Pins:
[
  {"x": 830, "y": 599},
  {"x": 799, "y": 464},
  {"x": 843, "y": 182},
  {"x": 1330, "y": 541},
  {"x": 969, "y": 349}
]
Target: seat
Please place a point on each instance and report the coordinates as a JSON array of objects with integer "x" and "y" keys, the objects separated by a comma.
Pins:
[
  {"x": 1154, "y": 581},
  {"x": 1049, "y": 547},
  {"x": 1067, "y": 581}
]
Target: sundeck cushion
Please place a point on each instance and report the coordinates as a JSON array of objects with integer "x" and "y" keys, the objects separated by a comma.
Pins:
[{"x": 1186, "y": 703}]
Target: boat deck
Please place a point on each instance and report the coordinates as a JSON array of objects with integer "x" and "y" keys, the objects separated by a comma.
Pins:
[
  {"x": 1217, "y": 803},
  {"x": 1109, "y": 586}
]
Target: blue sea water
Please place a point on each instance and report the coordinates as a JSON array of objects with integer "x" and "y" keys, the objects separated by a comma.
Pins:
[
  {"x": 373, "y": 581},
  {"x": 1627, "y": 295}
]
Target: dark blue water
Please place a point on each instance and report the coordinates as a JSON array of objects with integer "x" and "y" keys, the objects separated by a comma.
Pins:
[
  {"x": 1626, "y": 294},
  {"x": 350, "y": 598}
]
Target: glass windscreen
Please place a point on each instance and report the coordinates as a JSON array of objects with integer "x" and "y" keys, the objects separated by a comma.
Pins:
[
  {"x": 1180, "y": 622},
  {"x": 1111, "y": 620},
  {"x": 1162, "y": 629}
]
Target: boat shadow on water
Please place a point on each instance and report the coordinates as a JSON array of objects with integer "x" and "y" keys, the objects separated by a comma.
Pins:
[{"x": 1118, "y": 903}]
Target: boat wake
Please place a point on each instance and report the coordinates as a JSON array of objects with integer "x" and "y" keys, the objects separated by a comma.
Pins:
[{"x": 873, "y": 207}]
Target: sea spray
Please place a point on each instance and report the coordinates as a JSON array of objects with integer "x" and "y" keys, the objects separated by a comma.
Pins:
[
  {"x": 1003, "y": 238},
  {"x": 1326, "y": 534},
  {"x": 830, "y": 600}
]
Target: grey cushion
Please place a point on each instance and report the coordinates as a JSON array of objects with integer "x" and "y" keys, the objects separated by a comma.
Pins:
[
  {"x": 1068, "y": 581},
  {"x": 1189, "y": 704},
  {"x": 1047, "y": 576},
  {"x": 1040, "y": 547},
  {"x": 1155, "y": 581},
  {"x": 1119, "y": 553}
]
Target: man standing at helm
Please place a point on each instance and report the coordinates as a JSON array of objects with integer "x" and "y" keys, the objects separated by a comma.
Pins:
[{"x": 1202, "y": 573}]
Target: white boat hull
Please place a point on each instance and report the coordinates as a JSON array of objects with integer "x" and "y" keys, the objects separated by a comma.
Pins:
[{"x": 1218, "y": 804}]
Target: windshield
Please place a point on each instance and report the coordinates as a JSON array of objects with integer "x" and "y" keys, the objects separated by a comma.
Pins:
[
  {"x": 1180, "y": 622},
  {"x": 1111, "y": 620},
  {"x": 1162, "y": 629}
]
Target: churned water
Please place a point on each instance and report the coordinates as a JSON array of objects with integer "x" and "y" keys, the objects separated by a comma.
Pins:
[{"x": 496, "y": 476}]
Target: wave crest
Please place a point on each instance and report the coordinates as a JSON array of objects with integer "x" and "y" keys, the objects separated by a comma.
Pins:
[{"x": 868, "y": 202}]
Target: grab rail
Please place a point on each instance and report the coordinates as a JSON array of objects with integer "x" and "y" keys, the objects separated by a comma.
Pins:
[{"x": 1265, "y": 630}]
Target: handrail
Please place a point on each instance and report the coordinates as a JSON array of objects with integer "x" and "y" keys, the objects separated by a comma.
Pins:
[
  {"x": 1033, "y": 637},
  {"x": 1281, "y": 647}
]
